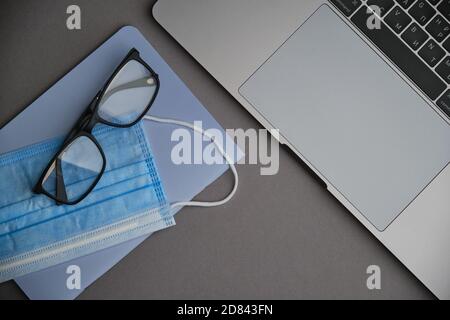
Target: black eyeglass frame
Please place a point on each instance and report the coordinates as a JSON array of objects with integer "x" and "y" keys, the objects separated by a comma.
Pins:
[{"x": 84, "y": 126}]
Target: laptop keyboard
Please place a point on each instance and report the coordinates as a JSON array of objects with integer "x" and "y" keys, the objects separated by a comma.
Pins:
[{"x": 414, "y": 35}]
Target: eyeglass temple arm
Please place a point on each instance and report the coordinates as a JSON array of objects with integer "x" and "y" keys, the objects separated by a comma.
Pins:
[
  {"x": 82, "y": 121},
  {"x": 140, "y": 83},
  {"x": 144, "y": 82}
]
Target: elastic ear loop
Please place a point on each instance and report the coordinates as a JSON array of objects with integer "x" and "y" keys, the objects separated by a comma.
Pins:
[{"x": 222, "y": 152}]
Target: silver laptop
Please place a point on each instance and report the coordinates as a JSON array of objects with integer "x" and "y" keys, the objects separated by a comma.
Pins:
[{"x": 359, "y": 91}]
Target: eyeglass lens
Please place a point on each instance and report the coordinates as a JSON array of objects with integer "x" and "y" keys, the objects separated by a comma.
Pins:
[
  {"x": 128, "y": 95},
  {"x": 79, "y": 166}
]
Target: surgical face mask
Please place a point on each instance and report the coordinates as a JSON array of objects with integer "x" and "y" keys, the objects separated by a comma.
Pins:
[{"x": 128, "y": 202}]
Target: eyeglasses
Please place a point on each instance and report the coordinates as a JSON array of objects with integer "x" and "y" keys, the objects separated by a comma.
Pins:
[{"x": 125, "y": 98}]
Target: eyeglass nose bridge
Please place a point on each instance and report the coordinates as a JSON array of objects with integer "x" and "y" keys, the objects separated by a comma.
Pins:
[
  {"x": 90, "y": 119},
  {"x": 89, "y": 124},
  {"x": 94, "y": 102}
]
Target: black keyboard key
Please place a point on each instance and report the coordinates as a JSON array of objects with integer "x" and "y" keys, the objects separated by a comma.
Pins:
[
  {"x": 444, "y": 8},
  {"x": 401, "y": 55},
  {"x": 397, "y": 19},
  {"x": 432, "y": 53},
  {"x": 383, "y": 5},
  {"x": 414, "y": 36},
  {"x": 444, "y": 69},
  {"x": 405, "y": 3},
  {"x": 434, "y": 2},
  {"x": 422, "y": 12},
  {"x": 347, "y": 7},
  {"x": 447, "y": 44},
  {"x": 439, "y": 28},
  {"x": 444, "y": 103}
]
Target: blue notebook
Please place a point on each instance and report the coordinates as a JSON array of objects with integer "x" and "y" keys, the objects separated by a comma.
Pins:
[{"x": 65, "y": 100}]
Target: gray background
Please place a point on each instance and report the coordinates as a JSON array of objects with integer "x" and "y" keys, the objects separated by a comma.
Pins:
[{"x": 282, "y": 236}]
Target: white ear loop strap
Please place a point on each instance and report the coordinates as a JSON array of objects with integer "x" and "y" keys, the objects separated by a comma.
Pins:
[{"x": 222, "y": 152}]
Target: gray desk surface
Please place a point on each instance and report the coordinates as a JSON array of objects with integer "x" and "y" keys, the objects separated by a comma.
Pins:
[{"x": 283, "y": 236}]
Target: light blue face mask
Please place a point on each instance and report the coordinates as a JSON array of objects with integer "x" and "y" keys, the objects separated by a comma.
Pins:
[{"x": 129, "y": 201}]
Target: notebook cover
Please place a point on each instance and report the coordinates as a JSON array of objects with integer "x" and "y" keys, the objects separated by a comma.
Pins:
[{"x": 60, "y": 106}]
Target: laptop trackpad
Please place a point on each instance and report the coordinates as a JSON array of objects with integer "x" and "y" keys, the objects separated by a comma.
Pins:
[{"x": 350, "y": 115}]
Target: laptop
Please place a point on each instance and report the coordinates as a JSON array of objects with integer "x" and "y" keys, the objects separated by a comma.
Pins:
[{"x": 359, "y": 90}]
